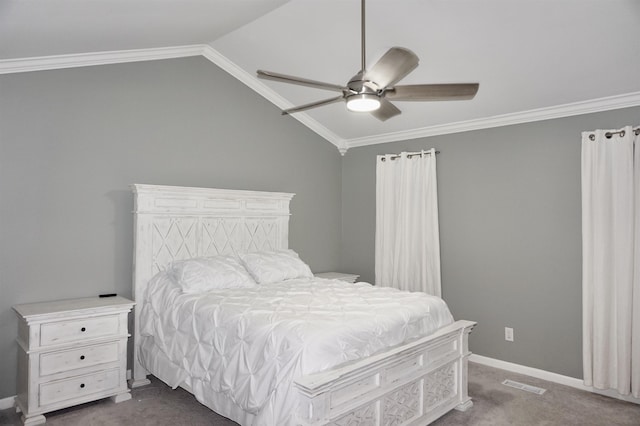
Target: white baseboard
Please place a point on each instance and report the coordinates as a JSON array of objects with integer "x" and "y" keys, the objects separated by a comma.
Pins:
[
  {"x": 9, "y": 402},
  {"x": 6, "y": 403},
  {"x": 549, "y": 376}
]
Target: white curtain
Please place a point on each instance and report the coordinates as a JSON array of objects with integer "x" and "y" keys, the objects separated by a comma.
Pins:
[
  {"x": 407, "y": 236},
  {"x": 611, "y": 259}
]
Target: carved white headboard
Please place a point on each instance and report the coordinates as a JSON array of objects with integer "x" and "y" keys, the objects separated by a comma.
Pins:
[{"x": 173, "y": 223}]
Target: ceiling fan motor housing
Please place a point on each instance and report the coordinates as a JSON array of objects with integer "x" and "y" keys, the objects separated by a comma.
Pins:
[{"x": 358, "y": 85}]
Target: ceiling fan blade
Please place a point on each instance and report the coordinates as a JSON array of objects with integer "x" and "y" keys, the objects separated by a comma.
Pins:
[
  {"x": 312, "y": 105},
  {"x": 392, "y": 67},
  {"x": 386, "y": 110},
  {"x": 283, "y": 78},
  {"x": 433, "y": 92}
]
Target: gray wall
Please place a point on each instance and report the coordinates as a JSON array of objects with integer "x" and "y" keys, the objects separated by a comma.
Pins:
[
  {"x": 71, "y": 141},
  {"x": 510, "y": 231}
]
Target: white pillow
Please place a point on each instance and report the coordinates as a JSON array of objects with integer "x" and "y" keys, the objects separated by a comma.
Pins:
[
  {"x": 272, "y": 266},
  {"x": 202, "y": 274}
]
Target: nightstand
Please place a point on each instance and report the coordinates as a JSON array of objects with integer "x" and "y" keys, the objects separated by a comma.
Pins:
[
  {"x": 351, "y": 278},
  {"x": 71, "y": 352}
]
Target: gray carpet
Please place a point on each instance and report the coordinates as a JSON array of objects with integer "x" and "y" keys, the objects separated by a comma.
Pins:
[{"x": 494, "y": 405}]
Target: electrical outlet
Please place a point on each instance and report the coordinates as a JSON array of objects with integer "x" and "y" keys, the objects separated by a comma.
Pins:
[{"x": 508, "y": 334}]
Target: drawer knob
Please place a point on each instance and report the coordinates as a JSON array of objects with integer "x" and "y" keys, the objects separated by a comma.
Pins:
[
  {"x": 81, "y": 356},
  {"x": 82, "y": 385},
  {"x": 83, "y": 329}
]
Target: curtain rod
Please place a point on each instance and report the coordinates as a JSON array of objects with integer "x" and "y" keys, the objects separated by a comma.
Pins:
[
  {"x": 409, "y": 155},
  {"x": 608, "y": 135},
  {"x": 621, "y": 133}
]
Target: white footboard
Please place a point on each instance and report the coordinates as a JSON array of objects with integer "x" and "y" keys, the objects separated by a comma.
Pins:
[{"x": 411, "y": 384}]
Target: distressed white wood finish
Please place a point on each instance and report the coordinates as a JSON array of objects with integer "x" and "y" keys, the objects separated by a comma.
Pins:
[
  {"x": 71, "y": 352},
  {"x": 174, "y": 223},
  {"x": 410, "y": 384}
]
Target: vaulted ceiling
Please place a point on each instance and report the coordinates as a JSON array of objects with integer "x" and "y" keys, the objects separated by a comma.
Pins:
[{"x": 534, "y": 59}]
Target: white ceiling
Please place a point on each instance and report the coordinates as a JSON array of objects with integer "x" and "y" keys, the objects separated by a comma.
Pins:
[{"x": 534, "y": 59}]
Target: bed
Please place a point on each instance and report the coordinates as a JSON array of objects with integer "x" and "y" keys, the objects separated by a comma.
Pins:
[{"x": 340, "y": 373}]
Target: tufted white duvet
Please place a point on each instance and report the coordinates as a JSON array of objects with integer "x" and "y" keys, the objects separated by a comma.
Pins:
[{"x": 241, "y": 349}]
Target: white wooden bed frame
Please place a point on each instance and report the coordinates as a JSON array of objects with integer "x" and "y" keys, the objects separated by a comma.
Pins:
[{"x": 411, "y": 384}]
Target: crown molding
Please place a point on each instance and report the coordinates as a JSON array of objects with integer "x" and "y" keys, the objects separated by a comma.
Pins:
[
  {"x": 252, "y": 82},
  {"x": 41, "y": 63},
  {"x": 577, "y": 108},
  {"x": 8, "y": 66}
]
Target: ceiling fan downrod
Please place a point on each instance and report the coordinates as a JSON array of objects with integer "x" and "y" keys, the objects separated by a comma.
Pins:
[
  {"x": 363, "y": 65},
  {"x": 364, "y": 96}
]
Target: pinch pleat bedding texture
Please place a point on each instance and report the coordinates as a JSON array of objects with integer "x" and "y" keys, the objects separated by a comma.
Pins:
[{"x": 251, "y": 343}]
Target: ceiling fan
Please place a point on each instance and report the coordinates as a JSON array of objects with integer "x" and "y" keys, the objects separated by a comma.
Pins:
[{"x": 371, "y": 90}]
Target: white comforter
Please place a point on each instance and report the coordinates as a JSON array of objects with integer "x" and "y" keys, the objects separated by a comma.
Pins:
[{"x": 251, "y": 343}]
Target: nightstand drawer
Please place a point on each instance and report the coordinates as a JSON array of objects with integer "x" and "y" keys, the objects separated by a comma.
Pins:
[
  {"x": 78, "y": 330},
  {"x": 57, "y": 362},
  {"x": 78, "y": 387}
]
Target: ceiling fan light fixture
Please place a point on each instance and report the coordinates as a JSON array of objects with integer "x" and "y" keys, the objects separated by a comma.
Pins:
[{"x": 364, "y": 102}]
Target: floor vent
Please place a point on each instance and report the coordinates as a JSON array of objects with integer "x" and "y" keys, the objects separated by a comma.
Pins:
[{"x": 522, "y": 386}]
